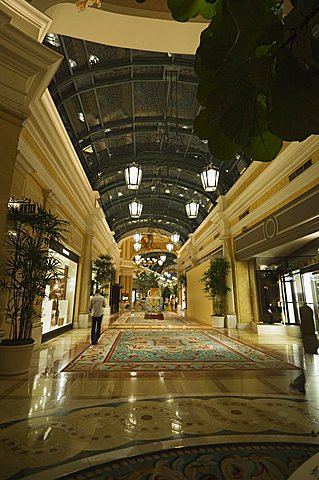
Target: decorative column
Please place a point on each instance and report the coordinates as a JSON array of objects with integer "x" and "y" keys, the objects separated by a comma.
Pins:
[
  {"x": 27, "y": 67},
  {"x": 85, "y": 279},
  {"x": 231, "y": 316}
]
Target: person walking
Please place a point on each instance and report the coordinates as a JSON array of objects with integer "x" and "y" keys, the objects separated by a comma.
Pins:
[{"x": 97, "y": 303}]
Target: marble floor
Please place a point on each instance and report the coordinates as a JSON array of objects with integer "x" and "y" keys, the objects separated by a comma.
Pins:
[{"x": 54, "y": 423}]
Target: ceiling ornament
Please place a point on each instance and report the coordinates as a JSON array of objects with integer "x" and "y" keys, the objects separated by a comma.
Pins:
[{"x": 83, "y": 4}]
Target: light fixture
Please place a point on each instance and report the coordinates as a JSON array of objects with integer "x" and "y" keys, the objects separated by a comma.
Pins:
[
  {"x": 192, "y": 208},
  {"x": 133, "y": 176},
  {"x": 137, "y": 246},
  {"x": 170, "y": 247},
  {"x": 93, "y": 59},
  {"x": 163, "y": 258},
  {"x": 175, "y": 237},
  {"x": 135, "y": 208},
  {"x": 209, "y": 177},
  {"x": 53, "y": 39},
  {"x": 72, "y": 63},
  {"x": 137, "y": 258},
  {"x": 137, "y": 236}
]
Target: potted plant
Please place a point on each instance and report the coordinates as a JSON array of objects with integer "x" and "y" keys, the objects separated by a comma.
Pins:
[
  {"x": 215, "y": 287},
  {"x": 27, "y": 271},
  {"x": 104, "y": 274}
]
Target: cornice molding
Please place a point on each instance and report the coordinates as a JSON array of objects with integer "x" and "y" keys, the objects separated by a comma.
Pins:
[
  {"x": 26, "y": 18},
  {"x": 26, "y": 68}
]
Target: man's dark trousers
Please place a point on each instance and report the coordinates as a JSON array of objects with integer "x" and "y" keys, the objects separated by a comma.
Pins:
[{"x": 96, "y": 329}]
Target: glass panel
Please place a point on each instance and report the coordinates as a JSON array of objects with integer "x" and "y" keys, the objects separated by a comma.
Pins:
[{"x": 58, "y": 303}]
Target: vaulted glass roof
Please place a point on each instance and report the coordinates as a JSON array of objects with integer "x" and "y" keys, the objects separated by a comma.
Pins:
[{"x": 121, "y": 105}]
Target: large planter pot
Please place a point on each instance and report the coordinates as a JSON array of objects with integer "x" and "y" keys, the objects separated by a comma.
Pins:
[
  {"x": 218, "y": 321},
  {"x": 15, "y": 359}
]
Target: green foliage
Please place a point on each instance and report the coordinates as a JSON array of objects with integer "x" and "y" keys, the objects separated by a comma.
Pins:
[
  {"x": 29, "y": 268},
  {"x": 104, "y": 271},
  {"x": 182, "y": 279},
  {"x": 258, "y": 74},
  {"x": 214, "y": 280},
  {"x": 147, "y": 280},
  {"x": 166, "y": 293},
  {"x": 183, "y": 10}
]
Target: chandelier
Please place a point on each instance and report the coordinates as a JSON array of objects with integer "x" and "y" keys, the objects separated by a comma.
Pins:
[
  {"x": 135, "y": 208},
  {"x": 192, "y": 208},
  {"x": 209, "y": 178},
  {"x": 137, "y": 246},
  {"x": 133, "y": 176},
  {"x": 170, "y": 247},
  {"x": 175, "y": 237},
  {"x": 137, "y": 236}
]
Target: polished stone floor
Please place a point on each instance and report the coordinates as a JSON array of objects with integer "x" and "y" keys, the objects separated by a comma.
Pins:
[{"x": 54, "y": 422}]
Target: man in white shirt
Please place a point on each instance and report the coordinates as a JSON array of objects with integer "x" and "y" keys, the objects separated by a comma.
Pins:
[{"x": 97, "y": 303}]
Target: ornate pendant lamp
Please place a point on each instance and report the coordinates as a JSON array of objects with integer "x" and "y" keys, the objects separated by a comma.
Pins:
[
  {"x": 192, "y": 208},
  {"x": 137, "y": 258},
  {"x": 209, "y": 178},
  {"x": 133, "y": 176},
  {"x": 137, "y": 246},
  {"x": 137, "y": 236},
  {"x": 175, "y": 237},
  {"x": 163, "y": 258},
  {"x": 170, "y": 247},
  {"x": 135, "y": 208}
]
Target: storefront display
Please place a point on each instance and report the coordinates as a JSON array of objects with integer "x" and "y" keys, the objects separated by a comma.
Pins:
[{"x": 58, "y": 303}]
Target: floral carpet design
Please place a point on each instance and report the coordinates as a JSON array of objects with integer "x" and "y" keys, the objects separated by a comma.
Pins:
[
  {"x": 137, "y": 319},
  {"x": 171, "y": 350},
  {"x": 213, "y": 462}
]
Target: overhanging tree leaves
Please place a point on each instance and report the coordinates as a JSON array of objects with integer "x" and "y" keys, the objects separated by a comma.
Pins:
[{"x": 258, "y": 74}]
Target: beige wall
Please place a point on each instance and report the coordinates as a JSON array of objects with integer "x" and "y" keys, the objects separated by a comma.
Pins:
[{"x": 198, "y": 305}]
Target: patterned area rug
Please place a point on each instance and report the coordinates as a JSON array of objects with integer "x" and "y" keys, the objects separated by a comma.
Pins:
[
  {"x": 171, "y": 350},
  {"x": 214, "y": 462},
  {"x": 139, "y": 319}
]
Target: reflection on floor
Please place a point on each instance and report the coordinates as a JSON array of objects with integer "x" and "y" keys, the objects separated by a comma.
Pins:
[{"x": 228, "y": 423}]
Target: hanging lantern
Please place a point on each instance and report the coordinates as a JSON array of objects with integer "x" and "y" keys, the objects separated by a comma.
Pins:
[
  {"x": 133, "y": 176},
  {"x": 170, "y": 247},
  {"x": 137, "y": 236},
  {"x": 163, "y": 258},
  {"x": 192, "y": 209},
  {"x": 175, "y": 237},
  {"x": 135, "y": 208},
  {"x": 137, "y": 258},
  {"x": 137, "y": 246},
  {"x": 209, "y": 177}
]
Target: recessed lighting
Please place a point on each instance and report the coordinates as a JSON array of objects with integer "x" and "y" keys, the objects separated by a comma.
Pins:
[
  {"x": 181, "y": 195},
  {"x": 53, "y": 39},
  {"x": 93, "y": 59},
  {"x": 107, "y": 130},
  {"x": 167, "y": 191},
  {"x": 72, "y": 63},
  {"x": 88, "y": 149},
  {"x": 81, "y": 117},
  {"x": 169, "y": 54},
  {"x": 204, "y": 141},
  {"x": 227, "y": 171},
  {"x": 120, "y": 171},
  {"x": 120, "y": 194},
  {"x": 186, "y": 127},
  {"x": 111, "y": 199}
]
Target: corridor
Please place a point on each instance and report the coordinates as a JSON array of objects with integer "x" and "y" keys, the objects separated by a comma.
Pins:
[{"x": 153, "y": 397}]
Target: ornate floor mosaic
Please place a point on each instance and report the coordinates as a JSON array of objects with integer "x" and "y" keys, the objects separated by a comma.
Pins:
[
  {"x": 260, "y": 438},
  {"x": 171, "y": 350},
  {"x": 231, "y": 462}
]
